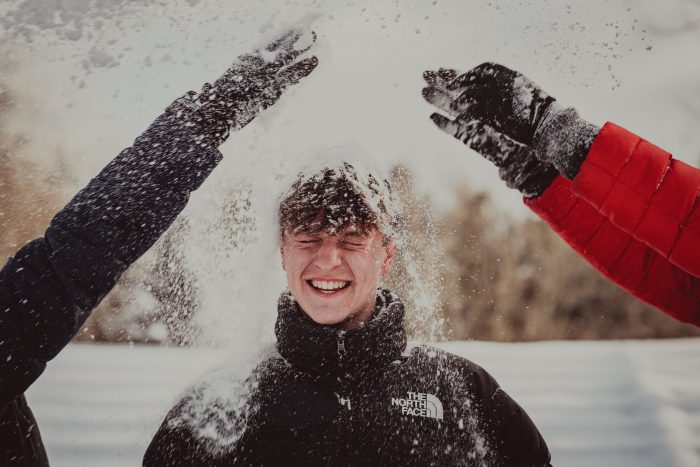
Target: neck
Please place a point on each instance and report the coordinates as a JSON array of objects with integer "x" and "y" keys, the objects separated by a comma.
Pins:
[{"x": 358, "y": 319}]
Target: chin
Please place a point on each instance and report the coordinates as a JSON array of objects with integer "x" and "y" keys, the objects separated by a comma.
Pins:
[{"x": 325, "y": 318}]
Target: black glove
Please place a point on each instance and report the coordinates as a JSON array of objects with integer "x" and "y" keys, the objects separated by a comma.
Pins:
[
  {"x": 512, "y": 122},
  {"x": 253, "y": 83}
]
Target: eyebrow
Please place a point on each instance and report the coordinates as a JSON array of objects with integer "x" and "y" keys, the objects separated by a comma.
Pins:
[
  {"x": 306, "y": 231},
  {"x": 363, "y": 235},
  {"x": 306, "y": 234}
]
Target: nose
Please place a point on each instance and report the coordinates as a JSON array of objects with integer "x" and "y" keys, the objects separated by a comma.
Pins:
[{"x": 328, "y": 256}]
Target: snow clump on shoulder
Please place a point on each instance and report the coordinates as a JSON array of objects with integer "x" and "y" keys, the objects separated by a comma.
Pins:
[{"x": 217, "y": 410}]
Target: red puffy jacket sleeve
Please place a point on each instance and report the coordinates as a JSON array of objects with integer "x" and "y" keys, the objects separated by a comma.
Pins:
[{"x": 633, "y": 212}]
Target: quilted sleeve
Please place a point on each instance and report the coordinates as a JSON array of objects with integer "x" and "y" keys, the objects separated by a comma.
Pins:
[
  {"x": 642, "y": 190},
  {"x": 622, "y": 257}
]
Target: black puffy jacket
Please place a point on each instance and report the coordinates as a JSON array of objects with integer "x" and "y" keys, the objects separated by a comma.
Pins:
[
  {"x": 358, "y": 397},
  {"x": 49, "y": 287}
]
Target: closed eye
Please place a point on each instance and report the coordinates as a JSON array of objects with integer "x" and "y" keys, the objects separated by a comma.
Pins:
[{"x": 353, "y": 244}]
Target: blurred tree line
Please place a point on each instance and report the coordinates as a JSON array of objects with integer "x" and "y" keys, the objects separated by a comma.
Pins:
[{"x": 469, "y": 273}]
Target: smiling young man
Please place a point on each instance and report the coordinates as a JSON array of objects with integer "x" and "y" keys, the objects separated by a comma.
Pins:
[
  {"x": 334, "y": 260},
  {"x": 342, "y": 388}
]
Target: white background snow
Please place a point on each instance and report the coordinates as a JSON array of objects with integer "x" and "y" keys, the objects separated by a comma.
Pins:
[{"x": 89, "y": 76}]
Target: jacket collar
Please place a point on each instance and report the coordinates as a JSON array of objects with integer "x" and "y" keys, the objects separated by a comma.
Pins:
[{"x": 318, "y": 349}]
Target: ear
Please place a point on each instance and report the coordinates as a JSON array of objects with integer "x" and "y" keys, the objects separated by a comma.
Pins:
[
  {"x": 284, "y": 262},
  {"x": 389, "y": 254}
]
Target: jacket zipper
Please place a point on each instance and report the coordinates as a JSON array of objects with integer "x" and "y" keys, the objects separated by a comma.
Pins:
[
  {"x": 347, "y": 412},
  {"x": 341, "y": 346}
]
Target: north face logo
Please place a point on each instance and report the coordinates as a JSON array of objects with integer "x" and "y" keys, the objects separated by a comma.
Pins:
[{"x": 419, "y": 404}]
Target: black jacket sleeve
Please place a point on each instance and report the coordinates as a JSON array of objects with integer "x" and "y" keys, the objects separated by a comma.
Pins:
[
  {"x": 49, "y": 287},
  {"x": 511, "y": 434},
  {"x": 177, "y": 446},
  {"x": 176, "y": 443}
]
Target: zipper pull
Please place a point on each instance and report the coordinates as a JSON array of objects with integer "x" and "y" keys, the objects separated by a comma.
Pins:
[{"x": 341, "y": 344}]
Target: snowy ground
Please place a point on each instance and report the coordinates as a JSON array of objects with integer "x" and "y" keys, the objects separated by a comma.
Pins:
[{"x": 601, "y": 404}]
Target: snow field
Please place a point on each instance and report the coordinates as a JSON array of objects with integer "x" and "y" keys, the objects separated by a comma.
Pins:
[
  {"x": 604, "y": 403},
  {"x": 613, "y": 404}
]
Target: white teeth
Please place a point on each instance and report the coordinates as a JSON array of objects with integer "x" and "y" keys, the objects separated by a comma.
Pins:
[{"x": 329, "y": 285}]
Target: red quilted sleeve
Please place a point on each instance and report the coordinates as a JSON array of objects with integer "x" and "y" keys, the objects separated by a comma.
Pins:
[
  {"x": 641, "y": 189},
  {"x": 622, "y": 257}
]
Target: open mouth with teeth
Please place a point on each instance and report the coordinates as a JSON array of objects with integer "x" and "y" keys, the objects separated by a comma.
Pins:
[{"x": 328, "y": 287}]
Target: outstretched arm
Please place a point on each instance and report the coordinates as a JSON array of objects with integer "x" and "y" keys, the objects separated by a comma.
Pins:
[
  {"x": 50, "y": 286},
  {"x": 644, "y": 203}
]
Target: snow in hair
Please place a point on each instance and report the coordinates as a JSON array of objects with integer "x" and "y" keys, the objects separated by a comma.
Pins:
[{"x": 335, "y": 196}]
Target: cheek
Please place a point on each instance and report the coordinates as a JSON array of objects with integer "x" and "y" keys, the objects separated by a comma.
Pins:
[
  {"x": 366, "y": 268},
  {"x": 292, "y": 262}
]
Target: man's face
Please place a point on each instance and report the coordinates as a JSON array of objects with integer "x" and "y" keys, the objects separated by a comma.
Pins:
[{"x": 334, "y": 277}]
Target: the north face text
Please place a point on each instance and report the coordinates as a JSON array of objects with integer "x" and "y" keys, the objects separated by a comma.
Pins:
[{"x": 419, "y": 404}]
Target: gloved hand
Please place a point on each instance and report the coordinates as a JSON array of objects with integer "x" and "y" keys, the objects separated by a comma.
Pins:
[
  {"x": 253, "y": 83},
  {"x": 512, "y": 122}
]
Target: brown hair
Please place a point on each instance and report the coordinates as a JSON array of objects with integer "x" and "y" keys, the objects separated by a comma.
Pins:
[{"x": 334, "y": 199}]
